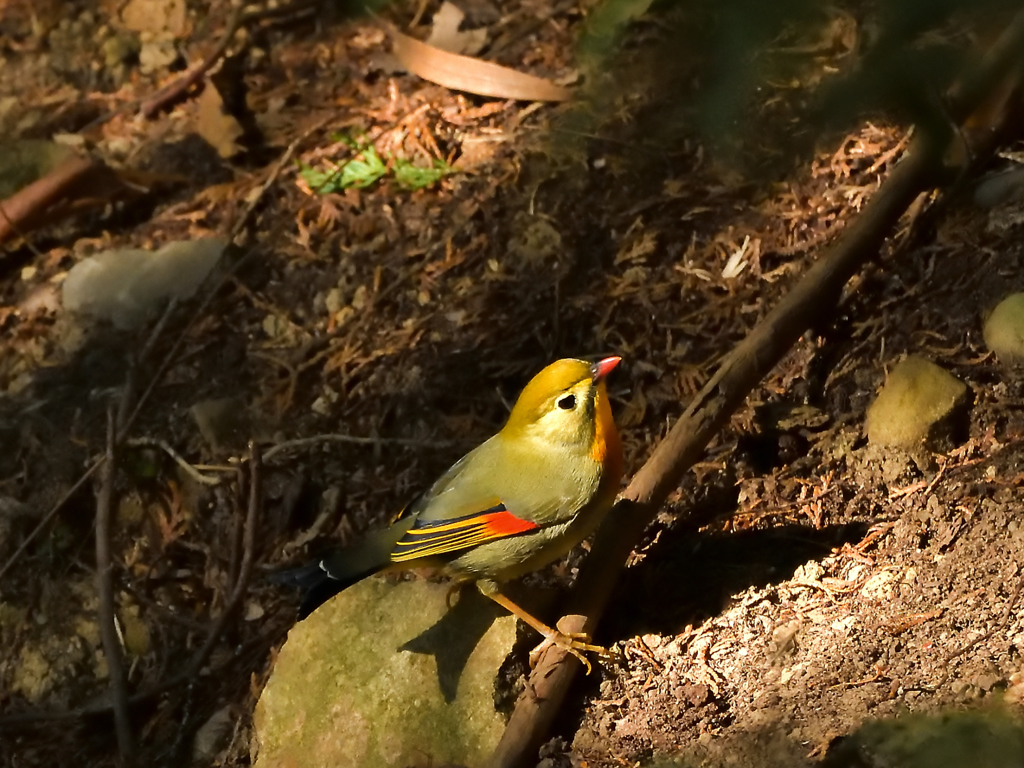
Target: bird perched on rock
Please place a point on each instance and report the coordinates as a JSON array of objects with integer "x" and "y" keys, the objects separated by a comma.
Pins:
[{"x": 519, "y": 501}]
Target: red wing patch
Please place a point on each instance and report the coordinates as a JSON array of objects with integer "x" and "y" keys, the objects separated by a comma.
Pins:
[{"x": 438, "y": 537}]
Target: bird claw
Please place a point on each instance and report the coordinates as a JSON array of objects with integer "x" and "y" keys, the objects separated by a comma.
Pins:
[{"x": 575, "y": 643}]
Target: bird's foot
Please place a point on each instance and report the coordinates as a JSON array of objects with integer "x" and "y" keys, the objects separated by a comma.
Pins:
[{"x": 576, "y": 643}]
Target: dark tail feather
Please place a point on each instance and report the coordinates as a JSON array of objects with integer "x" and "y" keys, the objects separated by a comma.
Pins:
[
  {"x": 319, "y": 593},
  {"x": 325, "y": 577},
  {"x": 305, "y": 577},
  {"x": 317, "y": 584}
]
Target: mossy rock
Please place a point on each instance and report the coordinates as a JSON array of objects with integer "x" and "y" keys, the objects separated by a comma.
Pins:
[
  {"x": 1004, "y": 330},
  {"x": 385, "y": 675},
  {"x": 987, "y": 738},
  {"x": 921, "y": 405}
]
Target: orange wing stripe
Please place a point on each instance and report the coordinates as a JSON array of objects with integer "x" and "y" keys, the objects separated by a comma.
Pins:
[
  {"x": 427, "y": 539},
  {"x": 504, "y": 523}
]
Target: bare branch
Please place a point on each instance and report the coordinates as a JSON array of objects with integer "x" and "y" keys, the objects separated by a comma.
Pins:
[
  {"x": 309, "y": 442},
  {"x": 29, "y": 202},
  {"x": 105, "y": 589},
  {"x": 812, "y": 298}
]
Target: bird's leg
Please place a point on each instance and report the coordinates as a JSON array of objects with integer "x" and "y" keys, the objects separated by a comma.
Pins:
[{"x": 573, "y": 642}]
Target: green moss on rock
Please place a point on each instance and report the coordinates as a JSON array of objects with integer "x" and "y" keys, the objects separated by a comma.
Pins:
[
  {"x": 1004, "y": 329},
  {"x": 918, "y": 404},
  {"x": 344, "y": 692}
]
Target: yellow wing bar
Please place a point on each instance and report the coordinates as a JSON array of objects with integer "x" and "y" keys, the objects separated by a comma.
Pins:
[{"x": 439, "y": 537}]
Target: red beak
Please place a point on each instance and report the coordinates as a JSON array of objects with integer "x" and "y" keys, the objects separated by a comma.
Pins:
[{"x": 602, "y": 368}]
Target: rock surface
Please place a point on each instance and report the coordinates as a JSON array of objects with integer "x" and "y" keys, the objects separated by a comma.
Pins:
[
  {"x": 990, "y": 738},
  {"x": 385, "y": 675},
  {"x": 128, "y": 286},
  {"x": 917, "y": 401},
  {"x": 1004, "y": 329}
]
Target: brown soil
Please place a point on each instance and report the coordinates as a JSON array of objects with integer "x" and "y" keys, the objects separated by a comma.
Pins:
[{"x": 799, "y": 583}]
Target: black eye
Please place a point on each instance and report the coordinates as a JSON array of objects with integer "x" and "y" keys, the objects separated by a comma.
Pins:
[{"x": 568, "y": 402}]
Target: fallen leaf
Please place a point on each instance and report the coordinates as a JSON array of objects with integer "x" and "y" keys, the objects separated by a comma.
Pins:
[
  {"x": 220, "y": 129},
  {"x": 464, "y": 73}
]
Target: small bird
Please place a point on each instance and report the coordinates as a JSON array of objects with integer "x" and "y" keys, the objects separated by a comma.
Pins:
[{"x": 517, "y": 502}]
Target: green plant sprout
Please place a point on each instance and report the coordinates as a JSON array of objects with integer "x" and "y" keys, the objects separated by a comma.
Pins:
[{"x": 367, "y": 167}]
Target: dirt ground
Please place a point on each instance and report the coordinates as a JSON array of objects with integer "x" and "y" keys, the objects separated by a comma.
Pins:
[{"x": 799, "y": 583}]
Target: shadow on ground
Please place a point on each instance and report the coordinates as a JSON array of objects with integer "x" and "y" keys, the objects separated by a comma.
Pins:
[{"x": 689, "y": 576}]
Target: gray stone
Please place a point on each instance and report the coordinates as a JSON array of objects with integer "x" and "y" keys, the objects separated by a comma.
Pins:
[
  {"x": 386, "y": 675},
  {"x": 212, "y": 736},
  {"x": 128, "y": 286},
  {"x": 1000, "y": 188}
]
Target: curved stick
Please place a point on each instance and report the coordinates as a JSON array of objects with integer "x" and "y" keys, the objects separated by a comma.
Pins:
[{"x": 813, "y": 297}]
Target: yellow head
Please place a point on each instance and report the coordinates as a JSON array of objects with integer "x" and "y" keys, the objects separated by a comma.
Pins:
[{"x": 567, "y": 404}]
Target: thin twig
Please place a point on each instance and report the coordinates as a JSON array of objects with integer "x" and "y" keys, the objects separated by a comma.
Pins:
[
  {"x": 131, "y": 380},
  {"x": 249, "y": 536},
  {"x": 26, "y": 719},
  {"x": 179, "y": 86},
  {"x": 158, "y": 329},
  {"x": 124, "y": 426},
  {"x": 208, "y": 298},
  {"x": 810, "y": 298},
  {"x": 32, "y": 200},
  {"x": 238, "y": 590},
  {"x": 105, "y": 589},
  {"x": 177, "y": 89},
  {"x": 48, "y": 517},
  {"x": 284, "y": 160},
  {"x": 237, "y": 534},
  {"x": 244, "y": 571},
  {"x": 308, "y": 442},
  {"x": 283, "y": 13},
  {"x": 152, "y": 442}
]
